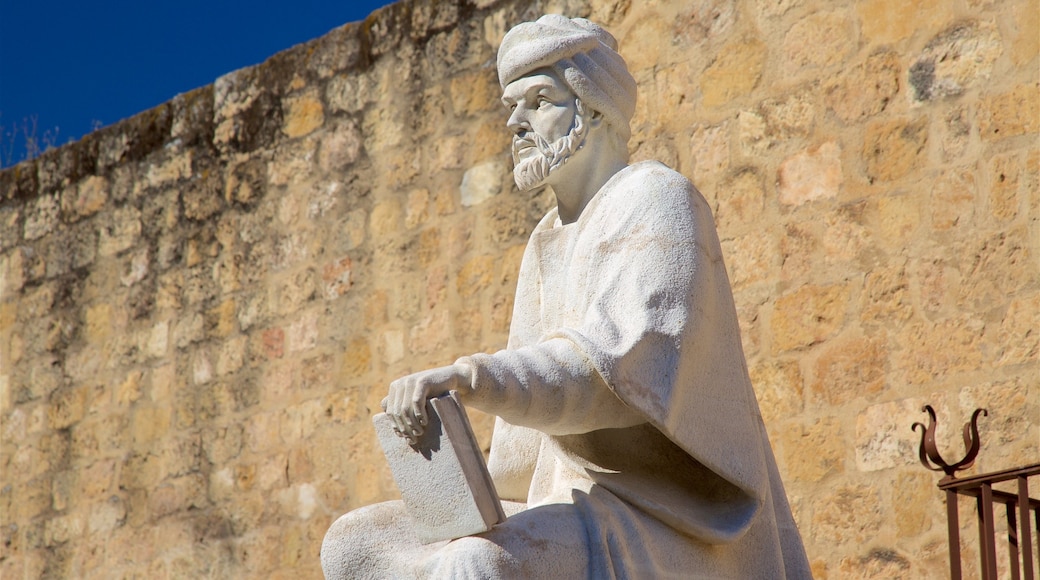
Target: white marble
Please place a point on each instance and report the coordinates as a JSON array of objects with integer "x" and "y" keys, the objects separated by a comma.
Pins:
[{"x": 628, "y": 442}]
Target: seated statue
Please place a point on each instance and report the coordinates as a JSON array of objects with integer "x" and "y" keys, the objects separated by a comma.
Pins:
[{"x": 628, "y": 442}]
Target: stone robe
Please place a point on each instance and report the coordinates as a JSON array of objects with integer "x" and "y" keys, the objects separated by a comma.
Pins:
[{"x": 625, "y": 409}]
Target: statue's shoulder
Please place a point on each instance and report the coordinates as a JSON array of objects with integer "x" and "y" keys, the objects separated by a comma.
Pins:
[
  {"x": 648, "y": 186},
  {"x": 648, "y": 181}
]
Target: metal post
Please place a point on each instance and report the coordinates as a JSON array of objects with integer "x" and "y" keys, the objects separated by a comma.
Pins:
[
  {"x": 954, "y": 534},
  {"x": 987, "y": 541},
  {"x": 1026, "y": 536},
  {"x": 1013, "y": 541}
]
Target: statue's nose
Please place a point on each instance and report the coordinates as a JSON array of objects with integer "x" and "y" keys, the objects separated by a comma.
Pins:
[{"x": 518, "y": 122}]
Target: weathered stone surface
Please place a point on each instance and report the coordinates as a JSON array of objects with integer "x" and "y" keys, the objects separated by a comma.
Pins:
[
  {"x": 848, "y": 369},
  {"x": 86, "y": 198},
  {"x": 1012, "y": 407},
  {"x": 1016, "y": 112},
  {"x": 953, "y": 200},
  {"x": 778, "y": 386},
  {"x": 481, "y": 183},
  {"x": 740, "y": 202},
  {"x": 302, "y": 115},
  {"x": 847, "y": 516},
  {"x": 810, "y": 175},
  {"x": 929, "y": 352},
  {"x": 808, "y": 315},
  {"x": 817, "y": 41},
  {"x": 957, "y": 59},
  {"x": 1005, "y": 178},
  {"x": 734, "y": 73},
  {"x": 893, "y": 148},
  {"x": 824, "y": 437},
  {"x": 878, "y": 563},
  {"x": 888, "y": 21},
  {"x": 865, "y": 90}
]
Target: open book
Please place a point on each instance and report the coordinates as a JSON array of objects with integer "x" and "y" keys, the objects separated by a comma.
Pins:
[{"x": 444, "y": 482}]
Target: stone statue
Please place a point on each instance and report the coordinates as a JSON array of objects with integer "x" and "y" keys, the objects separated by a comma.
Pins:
[{"x": 628, "y": 443}]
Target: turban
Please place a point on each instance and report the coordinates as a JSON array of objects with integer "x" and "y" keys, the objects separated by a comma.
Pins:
[{"x": 582, "y": 54}]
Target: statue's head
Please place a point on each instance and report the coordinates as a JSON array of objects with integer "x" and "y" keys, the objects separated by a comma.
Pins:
[{"x": 564, "y": 83}]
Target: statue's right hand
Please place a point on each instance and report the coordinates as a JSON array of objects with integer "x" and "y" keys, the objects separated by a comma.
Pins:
[{"x": 406, "y": 401}]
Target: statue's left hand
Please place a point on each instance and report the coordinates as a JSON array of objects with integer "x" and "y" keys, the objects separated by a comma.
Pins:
[{"x": 406, "y": 402}]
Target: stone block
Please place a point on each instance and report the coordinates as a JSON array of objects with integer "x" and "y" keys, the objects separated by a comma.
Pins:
[
  {"x": 261, "y": 432},
  {"x": 417, "y": 208},
  {"x": 386, "y": 219},
  {"x": 899, "y": 218},
  {"x": 778, "y": 387},
  {"x": 10, "y": 227},
  {"x": 475, "y": 93},
  {"x": 61, "y": 529},
  {"x": 220, "y": 320},
  {"x": 336, "y": 277},
  {"x": 1005, "y": 176},
  {"x": 735, "y": 72},
  {"x": 1016, "y": 112},
  {"x": 107, "y": 515},
  {"x": 751, "y": 258},
  {"x": 813, "y": 174},
  {"x": 303, "y": 333},
  {"x": 957, "y": 59},
  {"x": 121, "y": 231},
  {"x": 850, "y": 368},
  {"x": 1018, "y": 339},
  {"x": 740, "y": 201},
  {"x": 866, "y": 89},
  {"x": 820, "y": 40},
  {"x": 709, "y": 154},
  {"x": 953, "y": 199},
  {"x": 808, "y": 316},
  {"x": 172, "y": 169},
  {"x": 916, "y": 513},
  {"x": 481, "y": 182},
  {"x": 231, "y": 356},
  {"x": 929, "y": 352},
  {"x": 66, "y": 407},
  {"x": 883, "y": 435},
  {"x": 431, "y": 334},
  {"x": 298, "y": 422},
  {"x": 847, "y": 515},
  {"x": 894, "y": 148},
  {"x": 996, "y": 267},
  {"x": 97, "y": 480},
  {"x": 814, "y": 451},
  {"x": 177, "y": 495},
  {"x": 150, "y": 424},
  {"x": 357, "y": 359},
  {"x": 42, "y": 218},
  {"x": 475, "y": 275},
  {"x": 85, "y": 198},
  {"x": 890, "y": 21},
  {"x": 878, "y": 563},
  {"x": 340, "y": 147},
  {"x": 886, "y": 295},
  {"x": 1013, "y": 408},
  {"x": 302, "y": 114}
]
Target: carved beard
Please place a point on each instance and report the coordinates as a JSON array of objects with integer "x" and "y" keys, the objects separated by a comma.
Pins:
[{"x": 531, "y": 172}]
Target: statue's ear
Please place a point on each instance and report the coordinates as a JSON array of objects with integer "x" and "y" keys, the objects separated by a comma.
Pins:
[{"x": 596, "y": 120}]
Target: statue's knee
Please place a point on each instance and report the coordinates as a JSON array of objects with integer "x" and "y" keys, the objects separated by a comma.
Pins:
[{"x": 355, "y": 540}]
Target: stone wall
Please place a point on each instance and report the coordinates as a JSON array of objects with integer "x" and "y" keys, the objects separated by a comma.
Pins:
[{"x": 202, "y": 305}]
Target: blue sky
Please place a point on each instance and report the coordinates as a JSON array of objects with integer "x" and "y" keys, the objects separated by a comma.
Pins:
[{"x": 72, "y": 66}]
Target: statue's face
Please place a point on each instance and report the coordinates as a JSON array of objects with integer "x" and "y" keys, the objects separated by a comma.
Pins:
[{"x": 546, "y": 120}]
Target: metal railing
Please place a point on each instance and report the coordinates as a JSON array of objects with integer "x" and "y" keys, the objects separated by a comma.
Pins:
[{"x": 1022, "y": 511}]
